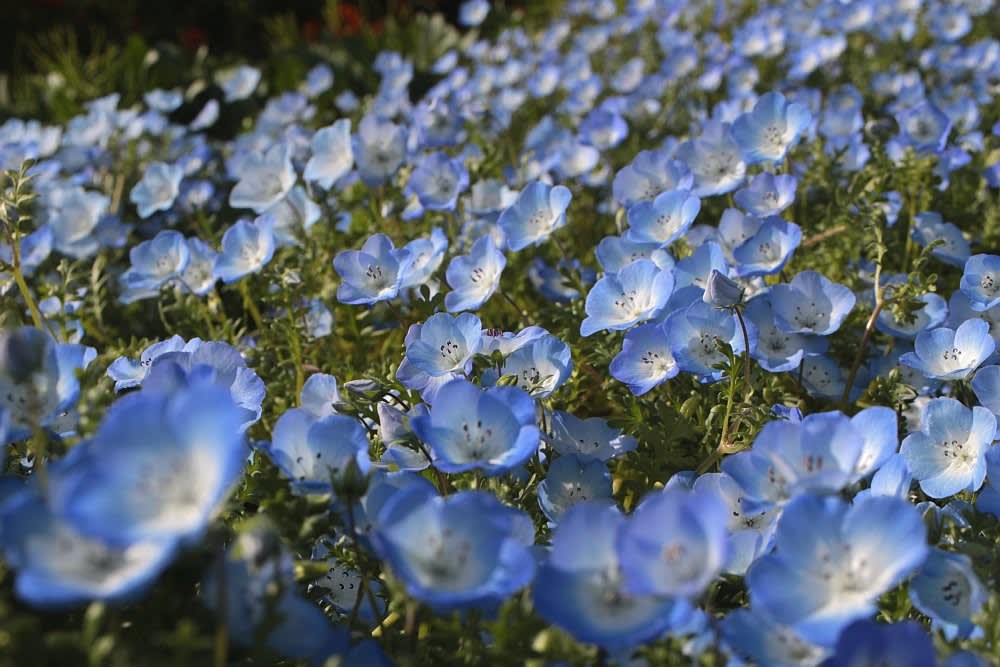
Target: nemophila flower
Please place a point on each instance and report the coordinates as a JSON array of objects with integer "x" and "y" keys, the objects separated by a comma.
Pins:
[
  {"x": 473, "y": 12},
  {"x": 879, "y": 433},
  {"x": 465, "y": 550},
  {"x": 318, "y": 80},
  {"x": 551, "y": 281},
  {"x": 810, "y": 304},
  {"x": 603, "y": 128},
  {"x": 675, "y": 543},
  {"x": 264, "y": 179},
  {"x": 715, "y": 160},
  {"x": 489, "y": 197},
  {"x": 34, "y": 249},
  {"x": 343, "y": 586},
  {"x": 832, "y": 561},
  {"x": 721, "y": 292},
  {"x": 750, "y": 528},
  {"x": 154, "y": 263},
  {"x": 989, "y": 497},
  {"x": 951, "y": 354},
  {"x": 948, "y": 591},
  {"x": 692, "y": 334},
  {"x": 650, "y": 174},
  {"x": 379, "y": 150},
  {"x": 57, "y": 566},
  {"x": 587, "y": 438},
  {"x": 37, "y": 379},
  {"x": 579, "y": 587},
  {"x": 474, "y": 277},
  {"x": 427, "y": 254},
  {"x": 313, "y": 453},
  {"x": 924, "y": 128},
  {"x": 615, "y": 253},
  {"x": 646, "y": 359},
  {"x": 437, "y": 181},
  {"x": 539, "y": 210},
  {"x": 158, "y": 467},
  {"x": 164, "y": 101},
  {"x": 332, "y": 154},
  {"x": 866, "y": 642},
  {"x": 735, "y": 227},
  {"x": 373, "y": 273},
  {"x": 445, "y": 344},
  {"x": 239, "y": 84},
  {"x": 128, "y": 373},
  {"x": 816, "y": 455},
  {"x": 892, "y": 478},
  {"x": 766, "y": 133},
  {"x": 467, "y": 428},
  {"x": 931, "y": 315},
  {"x": 198, "y": 276},
  {"x": 395, "y": 432},
  {"x": 663, "y": 220},
  {"x": 753, "y": 635},
  {"x": 948, "y": 454},
  {"x": 246, "y": 248},
  {"x": 157, "y": 189},
  {"x": 261, "y": 604},
  {"x": 293, "y": 215},
  {"x": 767, "y": 194},
  {"x": 696, "y": 269},
  {"x": 570, "y": 480},
  {"x": 960, "y": 310},
  {"x": 540, "y": 366},
  {"x": 981, "y": 281},
  {"x": 766, "y": 252},
  {"x": 636, "y": 293},
  {"x": 73, "y": 214},
  {"x": 953, "y": 249},
  {"x": 778, "y": 351},
  {"x": 320, "y": 395}
]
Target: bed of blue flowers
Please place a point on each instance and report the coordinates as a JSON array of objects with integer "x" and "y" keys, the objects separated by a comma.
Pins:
[{"x": 657, "y": 333}]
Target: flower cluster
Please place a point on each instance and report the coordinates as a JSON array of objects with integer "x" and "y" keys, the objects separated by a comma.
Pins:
[{"x": 665, "y": 332}]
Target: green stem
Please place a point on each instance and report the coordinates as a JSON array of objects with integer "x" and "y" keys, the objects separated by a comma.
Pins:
[
  {"x": 251, "y": 306},
  {"x": 296, "y": 345},
  {"x": 746, "y": 351}
]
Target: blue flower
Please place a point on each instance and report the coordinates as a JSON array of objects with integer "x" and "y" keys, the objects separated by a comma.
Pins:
[
  {"x": 540, "y": 366},
  {"x": 246, "y": 248},
  {"x": 692, "y": 334},
  {"x": 474, "y": 278},
  {"x": 473, "y": 12},
  {"x": 811, "y": 304},
  {"x": 865, "y": 642},
  {"x": 615, "y": 253},
  {"x": 650, "y": 174},
  {"x": 721, "y": 292},
  {"x": 953, "y": 249},
  {"x": 931, "y": 315},
  {"x": 715, "y": 160},
  {"x": 766, "y": 133},
  {"x": 579, "y": 587},
  {"x": 778, "y": 351},
  {"x": 832, "y": 561},
  {"x": 766, "y": 252},
  {"x": 436, "y": 182},
  {"x": 373, "y": 273},
  {"x": 587, "y": 438},
  {"x": 465, "y": 550},
  {"x": 981, "y": 281},
  {"x": 572, "y": 479},
  {"x": 646, "y": 359},
  {"x": 155, "y": 263},
  {"x": 239, "y": 84},
  {"x": 540, "y": 209},
  {"x": 318, "y": 80},
  {"x": 618, "y": 301},
  {"x": 948, "y": 591},
  {"x": 445, "y": 344},
  {"x": 767, "y": 194},
  {"x": 158, "y": 467},
  {"x": 318, "y": 319},
  {"x": 924, "y": 127},
  {"x": 427, "y": 255},
  {"x": 951, "y": 354},
  {"x": 663, "y": 220},
  {"x": 379, "y": 150},
  {"x": 311, "y": 452},
  {"x": 58, "y": 566},
  {"x": 198, "y": 277},
  {"x": 754, "y": 635},
  {"x": 468, "y": 428},
  {"x": 948, "y": 453},
  {"x": 73, "y": 214},
  {"x": 264, "y": 179},
  {"x": 879, "y": 433},
  {"x": 128, "y": 373},
  {"x": 332, "y": 154},
  {"x": 157, "y": 189},
  {"x": 750, "y": 528},
  {"x": 675, "y": 543}
]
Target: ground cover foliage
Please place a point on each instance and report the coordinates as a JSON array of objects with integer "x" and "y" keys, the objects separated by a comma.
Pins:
[{"x": 625, "y": 333}]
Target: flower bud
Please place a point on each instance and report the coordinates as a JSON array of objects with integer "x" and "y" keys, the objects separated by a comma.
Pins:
[{"x": 722, "y": 292}]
